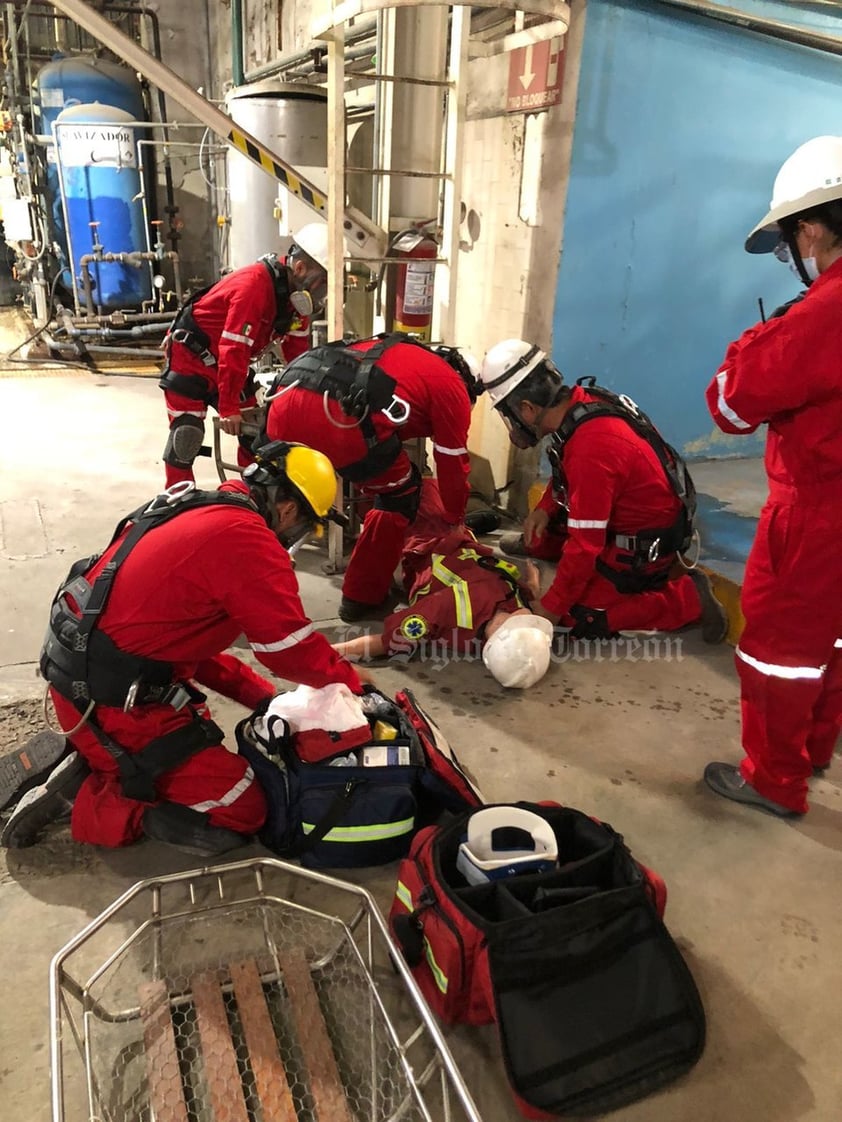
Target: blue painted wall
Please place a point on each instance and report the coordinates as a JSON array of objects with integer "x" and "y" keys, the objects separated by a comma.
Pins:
[{"x": 681, "y": 126}]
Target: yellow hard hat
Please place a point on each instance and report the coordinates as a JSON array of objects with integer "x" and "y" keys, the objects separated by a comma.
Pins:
[{"x": 307, "y": 472}]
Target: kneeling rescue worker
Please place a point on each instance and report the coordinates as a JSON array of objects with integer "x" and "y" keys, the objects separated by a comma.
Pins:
[
  {"x": 132, "y": 630},
  {"x": 221, "y": 329},
  {"x": 357, "y": 404},
  {"x": 628, "y": 497}
]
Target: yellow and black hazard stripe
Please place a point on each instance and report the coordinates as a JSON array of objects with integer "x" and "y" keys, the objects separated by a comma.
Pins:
[{"x": 304, "y": 191}]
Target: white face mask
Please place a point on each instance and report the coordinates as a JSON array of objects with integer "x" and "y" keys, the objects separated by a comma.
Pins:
[
  {"x": 810, "y": 267},
  {"x": 784, "y": 254}
]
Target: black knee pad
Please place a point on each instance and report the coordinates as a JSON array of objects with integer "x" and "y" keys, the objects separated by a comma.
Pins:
[
  {"x": 403, "y": 500},
  {"x": 185, "y": 440}
]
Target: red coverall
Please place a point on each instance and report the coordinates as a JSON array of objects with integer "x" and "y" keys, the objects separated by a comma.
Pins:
[
  {"x": 788, "y": 372},
  {"x": 451, "y": 596},
  {"x": 615, "y": 485},
  {"x": 439, "y": 408},
  {"x": 183, "y": 595},
  {"x": 238, "y": 314}
]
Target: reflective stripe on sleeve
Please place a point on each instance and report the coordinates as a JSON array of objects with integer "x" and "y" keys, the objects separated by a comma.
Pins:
[
  {"x": 235, "y": 338},
  {"x": 724, "y": 408},
  {"x": 291, "y": 640},
  {"x": 230, "y": 796},
  {"x": 588, "y": 523},
  {"x": 794, "y": 673},
  {"x": 450, "y": 451}
]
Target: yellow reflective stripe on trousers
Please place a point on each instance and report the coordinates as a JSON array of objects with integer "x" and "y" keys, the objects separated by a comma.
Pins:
[
  {"x": 439, "y": 976},
  {"x": 459, "y": 588},
  {"x": 381, "y": 831}
]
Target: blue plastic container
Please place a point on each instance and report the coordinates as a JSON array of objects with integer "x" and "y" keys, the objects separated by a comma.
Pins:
[{"x": 97, "y": 150}]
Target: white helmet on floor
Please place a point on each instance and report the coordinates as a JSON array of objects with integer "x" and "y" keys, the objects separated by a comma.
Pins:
[
  {"x": 312, "y": 239},
  {"x": 811, "y": 176},
  {"x": 503, "y": 841},
  {"x": 506, "y": 365},
  {"x": 518, "y": 653}
]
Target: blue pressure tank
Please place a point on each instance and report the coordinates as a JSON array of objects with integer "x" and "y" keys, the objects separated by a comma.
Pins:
[
  {"x": 97, "y": 152},
  {"x": 61, "y": 84}
]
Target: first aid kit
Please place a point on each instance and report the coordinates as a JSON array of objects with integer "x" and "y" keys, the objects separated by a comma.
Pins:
[
  {"x": 361, "y": 808},
  {"x": 563, "y": 946}
]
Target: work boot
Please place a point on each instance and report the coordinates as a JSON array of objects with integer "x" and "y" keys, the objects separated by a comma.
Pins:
[
  {"x": 51, "y": 802},
  {"x": 513, "y": 545},
  {"x": 351, "y": 611},
  {"x": 714, "y": 621},
  {"x": 30, "y": 765},
  {"x": 726, "y": 780},
  {"x": 482, "y": 521},
  {"x": 189, "y": 830}
]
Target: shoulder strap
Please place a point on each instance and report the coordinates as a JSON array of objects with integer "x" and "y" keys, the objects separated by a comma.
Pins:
[
  {"x": 622, "y": 407},
  {"x": 162, "y": 509}
]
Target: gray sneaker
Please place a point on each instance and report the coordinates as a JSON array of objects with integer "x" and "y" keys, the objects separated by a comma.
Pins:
[
  {"x": 726, "y": 780},
  {"x": 51, "y": 802}
]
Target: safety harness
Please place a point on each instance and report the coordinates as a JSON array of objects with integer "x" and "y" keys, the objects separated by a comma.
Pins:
[
  {"x": 87, "y": 668},
  {"x": 185, "y": 330},
  {"x": 645, "y": 546},
  {"x": 361, "y": 388}
]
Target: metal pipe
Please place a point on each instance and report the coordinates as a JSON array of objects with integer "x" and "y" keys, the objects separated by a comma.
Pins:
[
  {"x": 237, "y": 72},
  {"x": 135, "y": 352},
  {"x": 775, "y": 29},
  {"x": 364, "y": 31}
]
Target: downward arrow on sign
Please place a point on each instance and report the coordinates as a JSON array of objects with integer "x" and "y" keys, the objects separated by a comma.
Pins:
[{"x": 528, "y": 73}]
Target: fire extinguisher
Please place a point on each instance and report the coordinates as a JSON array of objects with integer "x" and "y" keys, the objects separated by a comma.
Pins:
[{"x": 414, "y": 283}]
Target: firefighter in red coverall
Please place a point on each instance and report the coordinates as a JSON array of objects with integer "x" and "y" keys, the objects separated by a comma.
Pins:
[
  {"x": 222, "y": 329},
  {"x": 357, "y": 404},
  {"x": 176, "y": 586},
  {"x": 787, "y": 373},
  {"x": 625, "y": 520},
  {"x": 463, "y": 601}
]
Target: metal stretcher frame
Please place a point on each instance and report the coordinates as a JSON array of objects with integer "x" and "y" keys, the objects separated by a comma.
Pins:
[{"x": 395, "y": 1032}]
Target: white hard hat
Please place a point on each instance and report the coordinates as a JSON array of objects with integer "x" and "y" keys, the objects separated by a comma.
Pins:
[
  {"x": 506, "y": 365},
  {"x": 811, "y": 176},
  {"x": 488, "y": 852},
  {"x": 312, "y": 238},
  {"x": 518, "y": 653},
  {"x": 472, "y": 363}
]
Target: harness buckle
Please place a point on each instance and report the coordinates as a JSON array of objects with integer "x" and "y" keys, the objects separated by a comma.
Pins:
[
  {"x": 395, "y": 403},
  {"x": 654, "y": 550},
  {"x": 131, "y": 695},
  {"x": 177, "y": 696}
]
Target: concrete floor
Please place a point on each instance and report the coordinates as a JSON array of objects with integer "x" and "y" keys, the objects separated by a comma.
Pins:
[{"x": 753, "y": 901}]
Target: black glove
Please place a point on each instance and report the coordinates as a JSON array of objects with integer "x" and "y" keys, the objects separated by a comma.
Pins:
[{"x": 784, "y": 308}]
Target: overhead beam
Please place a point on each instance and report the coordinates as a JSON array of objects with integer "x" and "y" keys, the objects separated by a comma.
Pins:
[{"x": 367, "y": 238}]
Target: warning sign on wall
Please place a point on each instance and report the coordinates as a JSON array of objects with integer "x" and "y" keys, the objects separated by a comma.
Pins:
[{"x": 535, "y": 74}]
